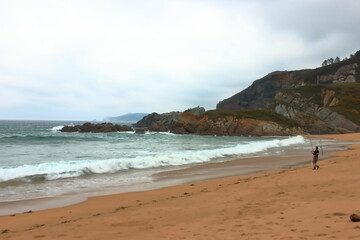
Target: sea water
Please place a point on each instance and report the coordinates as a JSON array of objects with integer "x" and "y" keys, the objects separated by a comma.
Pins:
[{"x": 39, "y": 161}]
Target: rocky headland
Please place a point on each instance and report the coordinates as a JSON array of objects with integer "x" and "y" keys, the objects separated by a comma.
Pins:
[
  {"x": 324, "y": 100},
  {"x": 220, "y": 123}
]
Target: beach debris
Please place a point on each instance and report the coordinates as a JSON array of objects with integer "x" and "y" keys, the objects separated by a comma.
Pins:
[
  {"x": 30, "y": 211},
  {"x": 4, "y": 231},
  {"x": 355, "y": 217}
]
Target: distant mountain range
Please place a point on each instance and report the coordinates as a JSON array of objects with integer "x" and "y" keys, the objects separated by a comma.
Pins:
[{"x": 126, "y": 118}]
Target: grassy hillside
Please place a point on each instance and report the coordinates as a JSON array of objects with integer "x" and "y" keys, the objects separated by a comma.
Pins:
[
  {"x": 349, "y": 104},
  {"x": 310, "y": 92}
]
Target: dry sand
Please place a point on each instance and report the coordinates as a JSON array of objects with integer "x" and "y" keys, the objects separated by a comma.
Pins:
[{"x": 295, "y": 203}]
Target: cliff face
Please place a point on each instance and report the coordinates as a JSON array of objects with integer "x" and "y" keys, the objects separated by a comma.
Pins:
[
  {"x": 317, "y": 113},
  {"x": 262, "y": 92},
  {"x": 322, "y": 100}
]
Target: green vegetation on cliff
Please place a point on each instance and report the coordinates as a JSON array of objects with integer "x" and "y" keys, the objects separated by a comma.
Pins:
[
  {"x": 310, "y": 92},
  {"x": 264, "y": 115},
  {"x": 310, "y": 76},
  {"x": 347, "y": 95},
  {"x": 349, "y": 100},
  {"x": 261, "y": 93}
]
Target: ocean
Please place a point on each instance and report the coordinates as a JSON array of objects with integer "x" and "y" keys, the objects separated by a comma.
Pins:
[{"x": 39, "y": 161}]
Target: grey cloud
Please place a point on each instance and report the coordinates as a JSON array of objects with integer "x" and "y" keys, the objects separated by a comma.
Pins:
[
  {"x": 92, "y": 59},
  {"x": 314, "y": 20}
]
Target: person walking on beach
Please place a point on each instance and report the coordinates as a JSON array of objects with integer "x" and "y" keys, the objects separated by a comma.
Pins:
[{"x": 315, "y": 154}]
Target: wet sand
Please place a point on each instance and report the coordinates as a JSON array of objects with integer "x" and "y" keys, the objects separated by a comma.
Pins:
[{"x": 293, "y": 203}]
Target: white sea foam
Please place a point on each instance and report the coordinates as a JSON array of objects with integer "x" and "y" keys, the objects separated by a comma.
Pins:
[
  {"x": 56, "y": 129},
  {"x": 71, "y": 169},
  {"x": 126, "y": 132},
  {"x": 163, "y": 133}
]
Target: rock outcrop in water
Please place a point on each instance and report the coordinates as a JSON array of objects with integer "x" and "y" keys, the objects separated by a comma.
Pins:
[{"x": 96, "y": 128}]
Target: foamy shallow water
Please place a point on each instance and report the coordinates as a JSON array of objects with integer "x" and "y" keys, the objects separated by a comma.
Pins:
[{"x": 36, "y": 160}]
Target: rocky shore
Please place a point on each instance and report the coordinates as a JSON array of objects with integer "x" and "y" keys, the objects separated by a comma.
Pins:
[{"x": 197, "y": 121}]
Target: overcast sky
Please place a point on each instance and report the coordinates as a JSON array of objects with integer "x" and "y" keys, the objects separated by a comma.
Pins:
[{"x": 85, "y": 60}]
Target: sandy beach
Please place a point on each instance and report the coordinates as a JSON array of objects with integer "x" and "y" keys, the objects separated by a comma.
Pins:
[{"x": 292, "y": 203}]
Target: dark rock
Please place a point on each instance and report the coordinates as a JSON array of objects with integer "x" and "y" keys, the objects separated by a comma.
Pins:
[
  {"x": 355, "y": 217},
  {"x": 97, "y": 128},
  {"x": 197, "y": 111},
  {"x": 159, "y": 122},
  {"x": 140, "y": 131},
  {"x": 70, "y": 129}
]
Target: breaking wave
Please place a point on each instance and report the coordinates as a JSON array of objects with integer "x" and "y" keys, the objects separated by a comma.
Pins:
[
  {"x": 72, "y": 169},
  {"x": 57, "y": 128}
]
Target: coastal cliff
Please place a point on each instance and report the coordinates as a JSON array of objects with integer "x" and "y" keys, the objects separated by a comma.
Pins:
[
  {"x": 321, "y": 109},
  {"x": 323, "y": 100},
  {"x": 262, "y": 92}
]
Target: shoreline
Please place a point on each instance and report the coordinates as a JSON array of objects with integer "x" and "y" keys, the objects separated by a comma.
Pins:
[
  {"x": 289, "y": 158},
  {"x": 193, "y": 173},
  {"x": 283, "y": 204}
]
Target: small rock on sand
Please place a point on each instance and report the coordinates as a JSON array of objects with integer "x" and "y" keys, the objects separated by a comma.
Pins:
[{"x": 355, "y": 217}]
